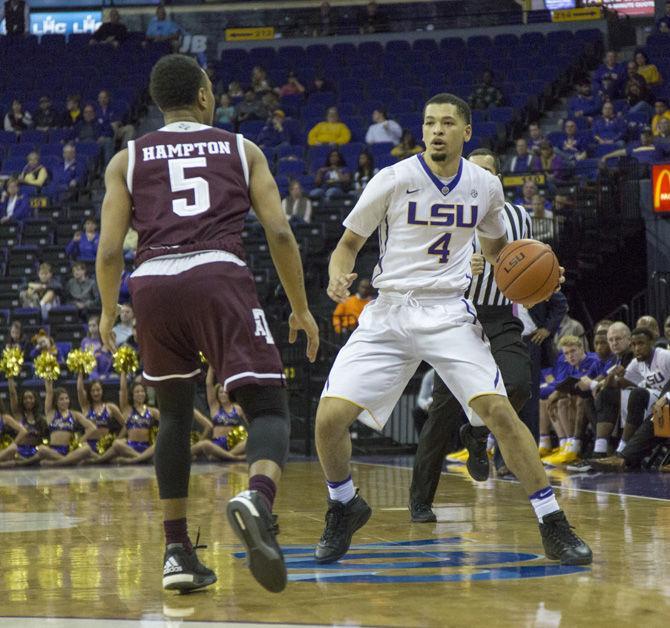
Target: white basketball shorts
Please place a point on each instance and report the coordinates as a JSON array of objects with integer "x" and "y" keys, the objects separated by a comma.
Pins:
[{"x": 395, "y": 333}]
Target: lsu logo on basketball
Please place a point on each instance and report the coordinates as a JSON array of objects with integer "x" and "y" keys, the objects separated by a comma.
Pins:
[
  {"x": 516, "y": 260},
  {"x": 445, "y": 215}
]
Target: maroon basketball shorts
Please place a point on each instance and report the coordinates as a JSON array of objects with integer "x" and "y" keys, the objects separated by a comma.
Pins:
[{"x": 210, "y": 307}]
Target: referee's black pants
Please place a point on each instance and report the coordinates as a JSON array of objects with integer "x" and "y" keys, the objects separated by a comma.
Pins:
[{"x": 439, "y": 435}]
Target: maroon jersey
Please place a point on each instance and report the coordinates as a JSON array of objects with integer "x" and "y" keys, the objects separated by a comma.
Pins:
[{"x": 190, "y": 189}]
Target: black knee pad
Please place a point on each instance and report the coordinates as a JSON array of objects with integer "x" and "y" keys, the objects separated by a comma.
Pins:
[{"x": 266, "y": 409}]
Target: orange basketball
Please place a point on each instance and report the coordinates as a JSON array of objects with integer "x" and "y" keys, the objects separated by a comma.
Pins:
[{"x": 526, "y": 272}]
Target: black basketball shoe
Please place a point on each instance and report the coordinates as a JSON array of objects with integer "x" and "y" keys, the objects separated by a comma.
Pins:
[
  {"x": 256, "y": 527},
  {"x": 182, "y": 571},
  {"x": 341, "y": 523},
  {"x": 421, "y": 513},
  {"x": 561, "y": 543},
  {"x": 474, "y": 439}
]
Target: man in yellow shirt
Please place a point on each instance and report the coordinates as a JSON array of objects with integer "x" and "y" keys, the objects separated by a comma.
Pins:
[
  {"x": 332, "y": 131},
  {"x": 660, "y": 111},
  {"x": 346, "y": 315}
]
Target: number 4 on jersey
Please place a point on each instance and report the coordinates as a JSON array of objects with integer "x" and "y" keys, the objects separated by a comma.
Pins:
[{"x": 441, "y": 247}]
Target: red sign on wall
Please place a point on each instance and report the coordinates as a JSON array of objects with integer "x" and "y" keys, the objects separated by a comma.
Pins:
[
  {"x": 660, "y": 181},
  {"x": 637, "y": 8}
]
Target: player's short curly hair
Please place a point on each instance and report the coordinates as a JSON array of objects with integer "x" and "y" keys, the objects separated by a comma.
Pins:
[
  {"x": 450, "y": 99},
  {"x": 175, "y": 81}
]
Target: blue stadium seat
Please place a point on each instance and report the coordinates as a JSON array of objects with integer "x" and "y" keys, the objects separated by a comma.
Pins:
[
  {"x": 251, "y": 128},
  {"x": 290, "y": 167}
]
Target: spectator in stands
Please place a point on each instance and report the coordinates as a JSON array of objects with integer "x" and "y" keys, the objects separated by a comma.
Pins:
[
  {"x": 650, "y": 323},
  {"x": 225, "y": 112},
  {"x": 573, "y": 146},
  {"x": 382, "y": 129},
  {"x": 609, "y": 128},
  {"x": 610, "y": 75},
  {"x": 570, "y": 327},
  {"x": 326, "y": 22},
  {"x": 647, "y": 70},
  {"x": 84, "y": 247},
  {"x": 542, "y": 218},
  {"x": 330, "y": 131},
  {"x": 162, "y": 29},
  {"x": 523, "y": 161},
  {"x": 93, "y": 343},
  {"x": 251, "y": 108},
  {"x": 124, "y": 330},
  {"x": 235, "y": 90},
  {"x": 46, "y": 116},
  {"x": 111, "y": 33},
  {"x": 68, "y": 174},
  {"x": 34, "y": 173},
  {"x": 17, "y": 18},
  {"x": 130, "y": 245},
  {"x": 88, "y": 129},
  {"x": 644, "y": 151},
  {"x": 259, "y": 80},
  {"x": 296, "y": 206},
  {"x": 43, "y": 293},
  {"x": 346, "y": 314},
  {"x": 81, "y": 291},
  {"x": 333, "y": 178},
  {"x": 554, "y": 168},
  {"x": 72, "y": 111},
  {"x": 14, "y": 206},
  {"x": 633, "y": 76},
  {"x": 584, "y": 104},
  {"x": 660, "y": 111},
  {"x": 637, "y": 98},
  {"x": 535, "y": 138},
  {"x": 108, "y": 115},
  {"x": 663, "y": 25},
  {"x": 16, "y": 119},
  {"x": 528, "y": 191},
  {"x": 42, "y": 342},
  {"x": 372, "y": 20},
  {"x": 292, "y": 87},
  {"x": 320, "y": 84},
  {"x": 274, "y": 133},
  {"x": 486, "y": 94},
  {"x": 407, "y": 146},
  {"x": 364, "y": 172},
  {"x": 17, "y": 338}
]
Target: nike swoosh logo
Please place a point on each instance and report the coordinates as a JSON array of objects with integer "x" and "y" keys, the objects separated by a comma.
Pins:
[{"x": 412, "y": 191}]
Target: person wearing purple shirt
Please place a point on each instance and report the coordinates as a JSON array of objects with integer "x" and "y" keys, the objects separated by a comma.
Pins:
[
  {"x": 84, "y": 246},
  {"x": 572, "y": 145},
  {"x": 609, "y": 129},
  {"x": 523, "y": 161},
  {"x": 609, "y": 77},
  {"x": 109, "y": 115},
  {"x": 70, "y": 173},
  {"x": 584, "y": 104},
  {"x": 274, "y": 132},
  {"x": 93, "y": 343},
  {"x": 553, "y": 166}
]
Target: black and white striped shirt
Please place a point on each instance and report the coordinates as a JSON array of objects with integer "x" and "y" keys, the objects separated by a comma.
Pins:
[{"x": 483, "y": 289}]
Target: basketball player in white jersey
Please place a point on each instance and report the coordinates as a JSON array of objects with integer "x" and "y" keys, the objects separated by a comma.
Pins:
[{"x": 427, "y": 208}]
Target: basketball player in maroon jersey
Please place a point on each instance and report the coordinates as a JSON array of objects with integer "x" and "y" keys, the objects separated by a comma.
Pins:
[{"x": 186, "y": 189}]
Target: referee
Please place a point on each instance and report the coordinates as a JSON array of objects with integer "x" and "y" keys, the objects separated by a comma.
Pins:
[{"x": 440, "y": 432}]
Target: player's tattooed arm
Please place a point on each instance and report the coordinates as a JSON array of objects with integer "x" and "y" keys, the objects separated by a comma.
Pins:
[{"x": 342, "y": 261}]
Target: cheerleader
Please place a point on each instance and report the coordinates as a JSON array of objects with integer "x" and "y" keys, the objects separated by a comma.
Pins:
[
  {"x": 61, "y": 423},
  {"x": 225, "y": 416},
  {"x": 9, "y": 424},
  {"x": 138, "y": 419}
]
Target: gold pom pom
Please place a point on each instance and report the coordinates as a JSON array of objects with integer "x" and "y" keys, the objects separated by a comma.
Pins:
[
  {"x": 79, "y": 361},
  {"x": 153, "y": 434},
  {"x": 75, "y": 442},
  {"x": 203, "y": 359},
  {"x": 105, "y": 443},
  {"x": 11, "y": 361},
  {"x": 126, "y": 360},
  {"x": 5, "y": 441},
  {"x": 236, "y": 435},
  {"x": 195, "y": 437},
  {"x": 46, "y": 366}
]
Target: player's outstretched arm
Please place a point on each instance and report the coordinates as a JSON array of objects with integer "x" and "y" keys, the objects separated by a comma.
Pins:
[
  {"x": 341, "y": 265},
  {"x": 114, "y": 223},
  {"x": 283, "y": 246}
]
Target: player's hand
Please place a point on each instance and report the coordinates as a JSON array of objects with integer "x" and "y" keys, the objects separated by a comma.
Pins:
[
  {"x": 561, "y": 278},
  {"x": 540, "y": 335},
  {"x": 107, "y": 336},
  {"x": 338, "y": 287},
  {"x": 477, "y": 264},
  {"x": 584, "y": 383},
  {"x": 306, "y": 322}
]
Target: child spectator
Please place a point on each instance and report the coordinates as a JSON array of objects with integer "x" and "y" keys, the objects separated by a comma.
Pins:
[
  {"x": 296, "y": 205},
  {"x": 382, "y": 129},
  {"x": 34, "y": 173},
  {"x": 333, "y": 178},
  {"x": 14, "y": 206},
  {"x": 81, "y": 291},
  {"x": 330, "y": 131},
  {"x": 84, "y": 246},
  {"x": 44, "y": 293},
  {"x": 17, "y": 119},
  {"x": 45, "y": 117},
  {"x": 225, "y": 112},
  {"x": 407, "y": 146}
]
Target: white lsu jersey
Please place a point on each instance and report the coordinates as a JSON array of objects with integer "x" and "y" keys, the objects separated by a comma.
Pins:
[
  {"x": 653, "y": 374},
  {"x": 426, "y": 225}
]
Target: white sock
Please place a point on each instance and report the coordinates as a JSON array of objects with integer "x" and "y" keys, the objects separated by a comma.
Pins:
[
  {"x": 545, "y": 442},
  {"x": 563, "y": 442},
  {"x": 622, "y": 444},
  {"x": 600, "y": 446},
  {"x": 342, "y": 491},
  {"x": 544, "y": 502},
  {"x": 576, "y": 445}
]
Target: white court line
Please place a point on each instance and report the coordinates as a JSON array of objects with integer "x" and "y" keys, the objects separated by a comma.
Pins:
[
  {"x": 559, "y": 487},
  {"x": 145, "y": 622}
]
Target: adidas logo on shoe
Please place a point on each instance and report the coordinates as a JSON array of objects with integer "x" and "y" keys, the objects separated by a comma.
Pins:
[{"x": 171, "y": 566}]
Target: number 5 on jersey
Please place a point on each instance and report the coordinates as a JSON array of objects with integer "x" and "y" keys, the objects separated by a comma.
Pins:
[
  {"x": 179, "y": 182},
  {"x": 441, "y": 247}
]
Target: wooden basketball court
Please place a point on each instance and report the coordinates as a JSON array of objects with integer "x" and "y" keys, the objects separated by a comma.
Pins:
[{"x": 85, "y": 545}]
